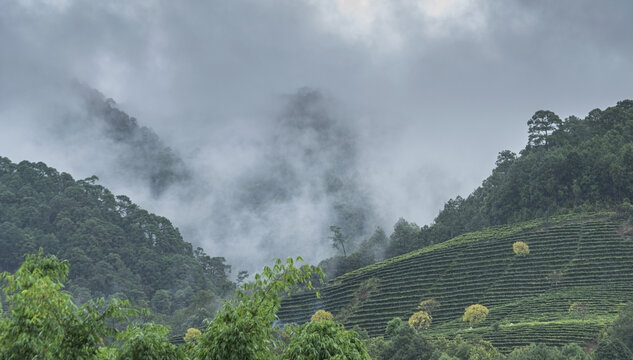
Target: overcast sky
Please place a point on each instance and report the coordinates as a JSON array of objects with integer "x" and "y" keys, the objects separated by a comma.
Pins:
[{"x": 429, "y": 91}]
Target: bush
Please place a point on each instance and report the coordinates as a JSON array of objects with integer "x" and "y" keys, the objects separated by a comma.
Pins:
[
  {"x": 321, "y": 315},
  {"x": 475, "y": 314},
  {"x": 520, "y": 248},
  {"x": 420, "y": 320}
]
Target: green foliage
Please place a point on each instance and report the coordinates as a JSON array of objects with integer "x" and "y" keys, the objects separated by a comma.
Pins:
[
  {"x": 542, "y": 124},
  {"x": 462, "y": 349},
  {"x": 324, "y": 340},
  {"x": 192, "y": 335},
  {"x": 365, "y": 290},
  {"x": 321, "y": 315},
  {"x": 338, "y": 240},
  {"x": 400, "y": 342},
  {"x": 520, "y": 248},
  {"x": 42, "y": 322},
  {"x": 403, "y": 239},
  {"x": 567, "y": 166},
  {"x": 241, "y": 330},
  {"x": 579, "y": 310},
  {"x": 147, "y": 342},
  {"x": 115, "y": 247},
  {"x": 622, "y": 327},
  {"x": 405, "y": 344},
  {"x": 612, "y": 349},
  {"x": 420, "y": 320},
  {"x": 428, "y": 305},
  {"x": 538, "y": 352},
  {"x": 475, "y": 314}
]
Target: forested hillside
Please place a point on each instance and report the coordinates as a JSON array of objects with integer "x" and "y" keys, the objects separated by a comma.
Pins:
[
  {"x": 570, "y": 165},
  {"x": 114, "y": 247}
]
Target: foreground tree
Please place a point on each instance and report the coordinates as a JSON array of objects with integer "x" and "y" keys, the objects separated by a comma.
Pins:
[
  {"x": 324, "y": 339},
  {"x": 42, "y": 322},
  {"x": 147, "y": 342},
  {"x": 242, "y": 329}
]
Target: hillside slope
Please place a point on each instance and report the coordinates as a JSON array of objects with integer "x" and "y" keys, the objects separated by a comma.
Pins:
[
  {"x": 115, "y": 248},
  {"x": 594, "y": 254}
]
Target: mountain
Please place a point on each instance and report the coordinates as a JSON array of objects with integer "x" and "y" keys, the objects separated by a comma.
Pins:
[
  {"x": 570, "y": 165},
  {"x": 543, "y": 196},
  {"x": 582, "y": 259},
  {"x": 114, "y": 247}
]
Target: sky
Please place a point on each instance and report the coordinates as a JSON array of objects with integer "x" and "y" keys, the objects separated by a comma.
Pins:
[{"x": 407, "y": 102}]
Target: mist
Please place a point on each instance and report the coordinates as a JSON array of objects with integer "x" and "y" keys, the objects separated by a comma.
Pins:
[{"x": 254, "y": 126}]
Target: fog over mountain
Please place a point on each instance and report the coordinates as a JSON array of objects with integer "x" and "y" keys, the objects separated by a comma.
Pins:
[{"x": 258, "y": 124}]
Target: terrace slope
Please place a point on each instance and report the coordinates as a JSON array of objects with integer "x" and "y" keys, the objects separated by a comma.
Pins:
[{"x": 593, "y": 252}]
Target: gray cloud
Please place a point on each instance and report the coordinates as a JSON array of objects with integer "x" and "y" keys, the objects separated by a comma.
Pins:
[{"x": 420, "y": 97}]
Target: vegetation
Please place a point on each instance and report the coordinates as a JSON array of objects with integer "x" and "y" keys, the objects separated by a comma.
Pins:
[
  {"x": 116, "y": 248},
  {"x": 567, "y": 166},
  {"x": 428, "y": 305},
  {"x": 252, "y": 312},
  {"x": 321, "y": 315},
  {"x": 475, "y": 314},
  {"x": 42, "y": 322},
  {"x": 520, "y": 248},
  {"x": 420, "y": 320},
  {"x": 325, "y": 340},
  {"x": 525, "y": 307},
  {"x": 571, "y": 289}
]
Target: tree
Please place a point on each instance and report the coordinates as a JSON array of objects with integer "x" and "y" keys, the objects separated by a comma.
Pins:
[
  {"x": 241, "y": 276},
  {"x": 622, "y": 327},
  {"x": 420, "y": 320},
  {"x": 429, "y": 305},
  {"x": 192, "y": 335},
  {"x": 520, "y": 248},
  {"x": 393, "y": 327},
  {"x": 324, "y": 339},
  {"x": 475, "y": 314},
  {"x": 612, "y": 349},
  {"x": 42, "y": 322},
  {"x": 338, "y": 240},
  {"x": 541, "y": 125},
  {"x": 404, "y": 343},
  {"x": 147, "y": 342},
  {"x": 321, "y": 315},
  {"x": 241, "y": 330}
]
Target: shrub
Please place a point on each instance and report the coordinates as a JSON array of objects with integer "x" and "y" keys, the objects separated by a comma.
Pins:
[
  {"x": 321, "y": 315},
  {"x": 520, "y": 248},
  {"x": 475, "y": 314},
  {"x": 420, "y": 320}
]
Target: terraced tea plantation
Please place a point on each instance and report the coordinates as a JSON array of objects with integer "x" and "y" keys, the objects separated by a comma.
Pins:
[{"x": 527, "y": 304}]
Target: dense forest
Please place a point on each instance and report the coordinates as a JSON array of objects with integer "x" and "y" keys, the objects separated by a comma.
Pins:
[{"x": 116, "y": 248}]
